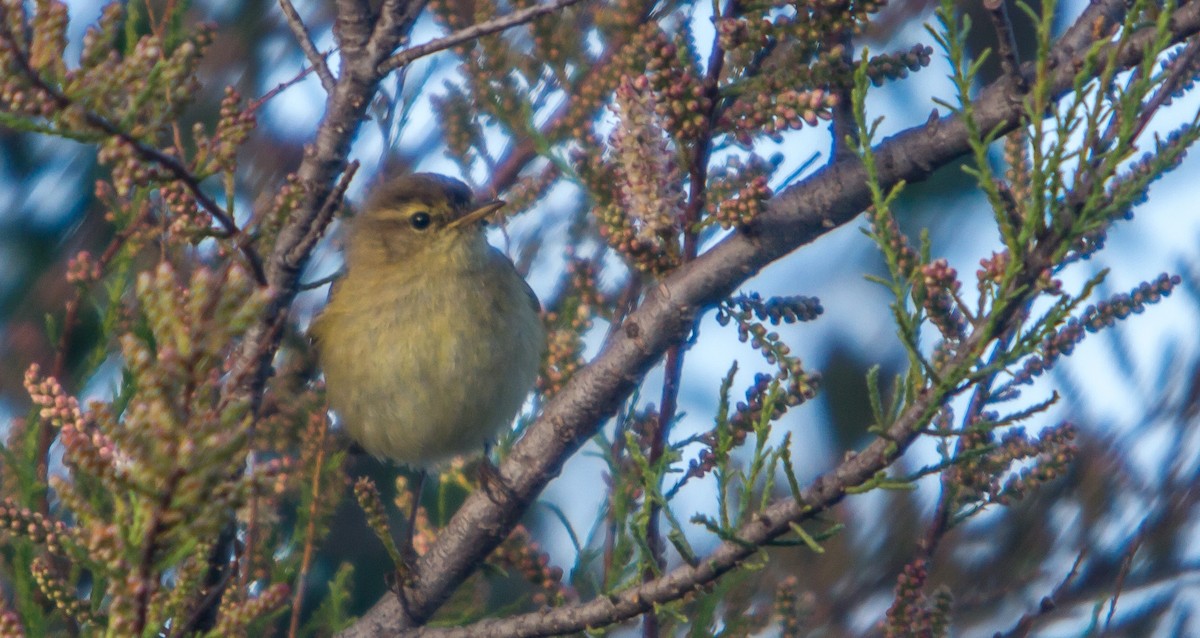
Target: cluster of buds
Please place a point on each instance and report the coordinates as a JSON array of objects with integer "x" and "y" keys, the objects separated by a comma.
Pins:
[
  {"x": 61, "y": 593},
  {"x": 1096, "y": 317},
  {"x": 367, "y": 495},
  {"x": 776, "y": 310},
  {"x": 22, "y": 89},
  {"x": 790, "y": 386},
  {"x": 738, "y": 191},
  {"x": 1060, "y": 344},
  {"x": 982, "y": 461},
  {"x": 771, "y": 114},
  {"x": 555, "y": 43},
  {"x": 288, "y": 198},
  {"x": 1018, "y": 167},
  {"x": 129, "y": 171},
  {"x": 84, "y": 447},
  {"x": 1054, "y": 449},
  {"x": 101, "y": 40},
  {"x": 460, "y": 124},
  {"x": 529, "y": 190},
  {"x": 742, "y": 37},
  {"x": 894, "y": 243},
  {"x": 83, "y": 268},
  {"x": 234, "y": 124},
  {"x": 796, "y": 387},
  {"x": 567, "y": 323},
  {"x": 977, "y": 472},
  {"x": 912, "y": 613},
  {"x": 745, "y": 309},
  {"x": 792, "y": 608},
  {"x": 991, "y": 269},
  {"x": 49, "y": 31},
  {"x": 1132, "y": 189},
  {"x": 936, "y": 290},
  {"x": 806, "y": 27},
  {"x": 681, "y": 99},
  {"x": 10, "y": 624},
  {"x": 1106, "y": 313},
  {"x": 645, "y": 221},
  {"x": 522, "y": 554},
  {"x": 187, "y": 221},
  {"x": 55, "y": 406},
  {"x": 21, "y": 522},
  {"x": 896, "y": 66},
  {"x": 237, "y": 618}
]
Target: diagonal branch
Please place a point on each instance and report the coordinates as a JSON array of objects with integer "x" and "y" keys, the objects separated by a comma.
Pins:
[
  {"x": 363, "y": 47},
  {"x": 304, "y": 38},
  {"x": 823, "y": 493},
  {"x": 797, "y": 216},
  {"x": 473, "y": 32}
]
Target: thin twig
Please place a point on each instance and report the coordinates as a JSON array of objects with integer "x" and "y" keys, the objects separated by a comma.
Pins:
[
  {"x": 1010, "y": 61},
  {"x": 660, "y": 430},
  {"x": 310, "y": 532},
  {"x": 328, "y": 207},
  {"x": 1048, "y": 603},
  {"x": 1123, "y": 572},
  {"x": 304, "y": 39},
  {"x": 207, "y": 604},
  {"x": 472, "y": 32},
  {"x": 281, "y": 87},
  {"x": 317, "y": 283},
  {"x": 1181, "y": 70}
]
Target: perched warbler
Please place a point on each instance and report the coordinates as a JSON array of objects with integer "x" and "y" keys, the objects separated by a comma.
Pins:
[{"x": 432, "y": 340}]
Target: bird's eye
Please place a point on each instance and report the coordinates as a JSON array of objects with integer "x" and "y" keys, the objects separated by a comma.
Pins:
[{"x": 420, "y": 221}]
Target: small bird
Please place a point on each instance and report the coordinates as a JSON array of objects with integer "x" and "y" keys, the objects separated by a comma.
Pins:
[{"x": 432, "y": 340}]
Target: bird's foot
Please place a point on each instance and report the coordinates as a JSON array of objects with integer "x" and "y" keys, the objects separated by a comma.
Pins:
[{"x": 492, "y": 483}]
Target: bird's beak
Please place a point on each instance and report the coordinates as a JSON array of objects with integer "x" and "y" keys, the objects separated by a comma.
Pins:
[{"x": 479, "y": 214}]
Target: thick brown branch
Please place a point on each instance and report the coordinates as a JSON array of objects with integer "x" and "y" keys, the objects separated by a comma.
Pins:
[
  {"x": 365, "y": 43},
  {"x": 796, "y": 217}
]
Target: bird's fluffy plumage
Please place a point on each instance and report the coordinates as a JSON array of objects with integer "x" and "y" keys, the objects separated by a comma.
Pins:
[{"x": 432, "y": 341}]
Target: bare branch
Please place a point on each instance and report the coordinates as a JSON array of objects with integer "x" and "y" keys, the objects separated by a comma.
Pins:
[
  {"x": 1048, "y": 603},
  {"x": 325, "y": 214},
  {"x": 472, "y": 32},
  {"x": 304, "y": 38},
  {"x": 1010, "y": 61},
  {"x": 280, "y": 88}
]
